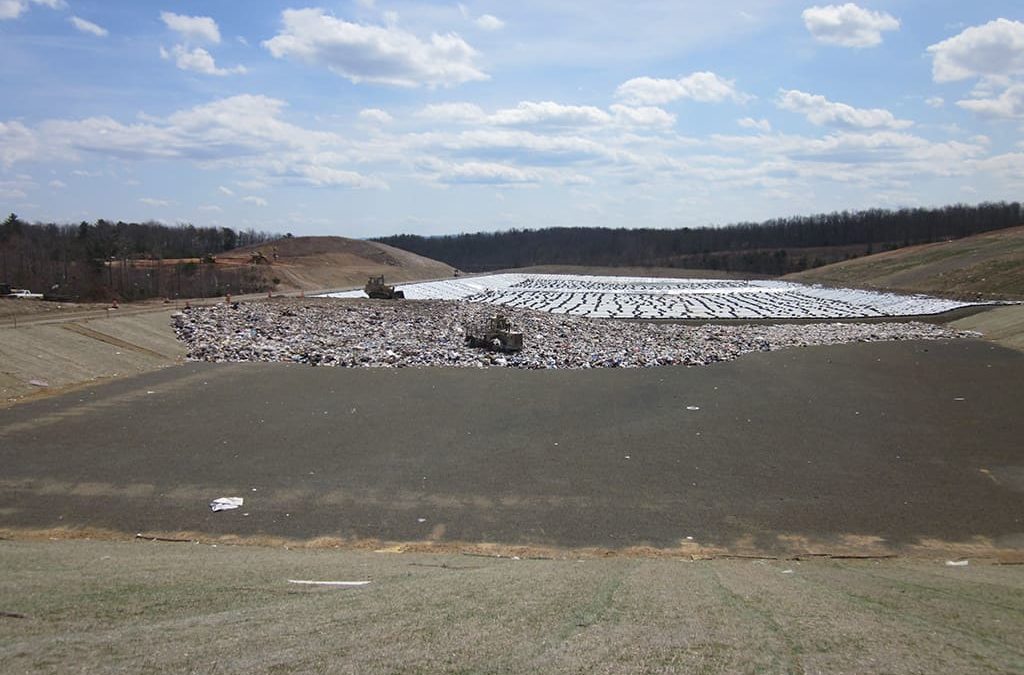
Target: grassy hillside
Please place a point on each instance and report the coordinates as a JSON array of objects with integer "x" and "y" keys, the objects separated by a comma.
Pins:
[
  {"x": 989, "y": 266},
  {"x": 314, "y": 263}
]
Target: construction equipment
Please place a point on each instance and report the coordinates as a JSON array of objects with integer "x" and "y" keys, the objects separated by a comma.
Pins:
[
  {"x": 377, "y": 289},
  {"x": 496, "y": 334}
]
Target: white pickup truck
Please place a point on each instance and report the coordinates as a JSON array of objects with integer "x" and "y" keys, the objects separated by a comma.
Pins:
[{"x": 24, "y": 293}]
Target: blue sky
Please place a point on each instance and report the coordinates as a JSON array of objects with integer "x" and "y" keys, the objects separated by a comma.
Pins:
[{"x": 372, "y": 117}]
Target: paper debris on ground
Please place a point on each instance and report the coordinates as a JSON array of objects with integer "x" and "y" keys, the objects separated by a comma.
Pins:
[
  {"x": 310, "y": 582},
  {"x": 225, "y": 503}
]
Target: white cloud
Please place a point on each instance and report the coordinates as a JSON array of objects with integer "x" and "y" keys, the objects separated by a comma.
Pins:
[
  {"x": 1009, "y": 104},
  {"x": 252, "y": 184},
  {"x": 210, "y": 207},
  {"x": 150, "y": 201},
  {"x": 848, "y": 25},
  {"x": 706, "y": 87},
  {"x": 935, "y": 102},
  {"x": 17, "y": 143},
  {"x": 762, "y": 125},
  {"x": 642, "y": 116},
  {"x": 549, "y": 112},
  {"x": 375, "y": 116},
  {"x": 994, "y": 49},
  {"x": 487, "y": 173},
  {"x": 88, "y": 27},
  {"x": 58, "y": 184},
  {"x": 378, "y": 54},
  {"x": 198, "y": 60},
  {"x": 466, "y": 113},
  {"x": 258, "y": 201},
  {"x": 226, "y": 191},
  {"x": 196, "y": 28},
  {"x": 490, "y": 143},
  {"x": 245, "y": 132},
  {"x": 819, "y": 110},
  {"x": 12, "y": 9},
  {"x": 490, "y": 22},
  {"x": 15, "y": 189}
]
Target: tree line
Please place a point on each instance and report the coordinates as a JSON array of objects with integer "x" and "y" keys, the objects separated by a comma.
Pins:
[
  {"x": 105, "y": 259},
  {"x": 776, "y": 246}
]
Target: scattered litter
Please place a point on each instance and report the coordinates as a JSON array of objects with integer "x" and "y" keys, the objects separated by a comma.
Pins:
[
  {"x": 245, "y": 514},
  {"x": 225, "y": 503},
  {"x": 421, "y": 520},
  {"x": 150, "y": 537},
  {"x": 12, "y": 615},
  {"x": 627, "y": 456},
  {"x": 956, "y": 563},
  {"x": 959, "y": 398},
  {"x": 39, "y": 383},
  {"x": 688, "y": 538},
  {"x": 787, "y": 571},
  {"x": 693, "y": 407},
  {"x": 309, "y": 582},
  {"x": 150, "y": 391}
]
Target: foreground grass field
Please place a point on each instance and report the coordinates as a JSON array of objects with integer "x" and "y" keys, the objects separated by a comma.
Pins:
[{"x": 162, "y": 607}]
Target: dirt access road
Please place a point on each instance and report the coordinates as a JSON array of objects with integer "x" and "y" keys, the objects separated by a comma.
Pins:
[{"x": 866, "y": 448}]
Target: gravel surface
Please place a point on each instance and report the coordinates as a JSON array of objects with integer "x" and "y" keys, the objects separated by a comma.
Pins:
[{"x": 366, "y": 333}]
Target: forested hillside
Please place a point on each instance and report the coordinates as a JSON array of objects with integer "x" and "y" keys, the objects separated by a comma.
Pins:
[
  {"x": 94, "y": 261},
  {"x": 777, "y": 246}
]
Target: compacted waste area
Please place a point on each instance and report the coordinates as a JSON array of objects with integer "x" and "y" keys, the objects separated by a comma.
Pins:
[{"x": 381, "y": 333}]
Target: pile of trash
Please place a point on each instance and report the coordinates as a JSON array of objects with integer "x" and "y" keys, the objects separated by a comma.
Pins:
[{"x": 368, "y": 333}]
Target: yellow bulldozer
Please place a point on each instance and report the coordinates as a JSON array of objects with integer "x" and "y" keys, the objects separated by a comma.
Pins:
[{"x": 377, "y": 289}]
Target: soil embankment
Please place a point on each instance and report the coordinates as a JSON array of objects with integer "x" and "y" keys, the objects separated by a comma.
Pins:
[
  {"x": 319, "y": 263},
  {"x": 987, "y": 266}
]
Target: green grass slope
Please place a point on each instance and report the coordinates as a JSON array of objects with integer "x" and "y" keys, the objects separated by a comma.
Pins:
[{"x": 985, "y": 266}]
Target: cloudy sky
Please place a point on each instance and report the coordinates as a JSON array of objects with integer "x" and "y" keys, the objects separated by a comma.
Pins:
[{"x": 375, "y": 117}]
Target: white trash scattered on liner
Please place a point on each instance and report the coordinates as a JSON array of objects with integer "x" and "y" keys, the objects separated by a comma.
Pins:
[
  {"x": 669, "y": 298},
  {"x": 693, "y": 407},
  {"x": 787, "y": 571},
  {"x": 225, "y": 503},
  {"x": 39, "y": 383},
  {"x": 956, "y": 563},
  {"x": 309, "y": 582}
]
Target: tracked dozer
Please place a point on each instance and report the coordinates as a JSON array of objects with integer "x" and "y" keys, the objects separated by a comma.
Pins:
[
  {"x": 377, "y": 289},
  {"x": 496, "y": 334}
]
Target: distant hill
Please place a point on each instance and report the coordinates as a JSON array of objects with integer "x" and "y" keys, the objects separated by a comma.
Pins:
[
  {"x": 773, "y": 247},
  {"x": 989, "y": 265},
  {"x": 315, "y": 263}
]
